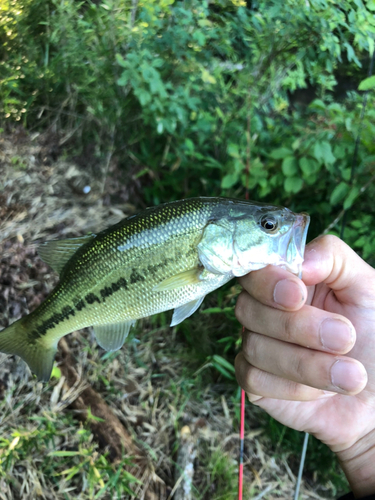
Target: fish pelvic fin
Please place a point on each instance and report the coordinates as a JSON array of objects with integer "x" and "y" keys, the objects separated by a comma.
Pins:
[{"x": 38, "y": 355}]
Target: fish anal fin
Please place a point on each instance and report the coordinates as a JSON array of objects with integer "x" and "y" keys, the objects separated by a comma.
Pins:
[
  {"x": 56, "y": 253},
  {"x": 190, "y": 277},
  {"x": 186, "y": 310},
  {"x": 112, "y": 337}
]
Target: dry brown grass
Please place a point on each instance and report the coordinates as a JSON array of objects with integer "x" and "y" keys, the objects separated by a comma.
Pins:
[{"x": 147, "y": 384}]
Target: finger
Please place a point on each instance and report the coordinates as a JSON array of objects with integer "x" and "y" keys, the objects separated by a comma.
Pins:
[
  {"x": 328, "y": 259},
  {"x": 261, "y": 384},
  {"x": 275, "y": 287},
  {"x": 304, "y": 366},
  {"x": 308, "y": 327}
]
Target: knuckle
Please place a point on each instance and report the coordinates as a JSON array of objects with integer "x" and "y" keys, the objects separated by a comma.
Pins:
[
  {"x": 250, "y": 378},
  {"x": 237, "y": 363},
  {"x": 257, "y": 380},
  {"x": 253, "y": 346},
  {"x": 241, "y": 306},
  {"x": 295, "y": 391},
  {"x": 299, "y": 367},
  {"x": 242, "y": 370},
  {"x": 246, "y": 347},
  {"x": 288, "y": 324},
  {"x": 330, "y": 239}
]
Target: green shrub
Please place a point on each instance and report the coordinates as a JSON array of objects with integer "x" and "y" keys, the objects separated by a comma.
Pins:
[{"x": 189, "y": 94}]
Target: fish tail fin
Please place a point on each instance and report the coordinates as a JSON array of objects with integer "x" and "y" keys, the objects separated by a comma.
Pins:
[{"x": 37, "y": 354}]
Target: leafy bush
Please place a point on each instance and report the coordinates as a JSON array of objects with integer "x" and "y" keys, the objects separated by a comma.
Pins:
[{"x": 193, "y": 93}]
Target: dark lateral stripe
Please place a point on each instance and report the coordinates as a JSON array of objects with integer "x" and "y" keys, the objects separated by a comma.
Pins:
[
  {"x": 51, "y": 322},
  {"x": 80, "y": 305},
  {"x": 91, "y": 298},
  {"x": 67, "y": 311},
  {"x": 135, "y": 277},
  {"x": 107, "y": 291},
  {"x": 157, "y": 267}
]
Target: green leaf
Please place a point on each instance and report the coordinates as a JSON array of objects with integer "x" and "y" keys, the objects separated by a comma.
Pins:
[
  {"x": 360, "y": 242},
  {"x": 56, "y": 372},
  {"x": 367, "y": 83},
  {"x": 297, "y": 143},
  {"x": 371, "y": 43},
  {"x": 144, "y": 97},
  {"x": 280, "y": 153},
  {"x": 212, "y": 310},
  {"x": 223, "y": 362},
  {"x": 308, "y": 165},
  {"x": 223, "y": 371},
  {"x": 189, "y": 145},
  {"x": 123, "y": 80},
  {"x": 238, "y": 165},
  {"x": 348, "y": 124},
  {"x": 229, "y": 180},
  {"x": 323, "y": 152},
  {"x": 289, "y": 166},
  {"x": 233, "y": 150},
  {"x": 350, "y": 52},
  {"x": 223, "y": 366},
  {"x": 121, "y": 61},
  {"x": 346, "y": 174},
  {"x": 318, "y": 104},
  {"x": 160, "y": 128},
  {"x": 293, "y": 184},
  {"x": 139, "y": 174},
  {"x": 199, "y": 37},
  {"x": 157, "y": 62},
  {"x": 354, "y": 192},
  {"x": 339, "y": 193},
  {"x": 64, "y": 453}
]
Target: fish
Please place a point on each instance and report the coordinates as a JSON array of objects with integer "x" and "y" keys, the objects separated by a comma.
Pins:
[{"x": 165, "y": 257}]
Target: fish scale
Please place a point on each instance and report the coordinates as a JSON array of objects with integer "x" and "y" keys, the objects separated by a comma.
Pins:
[
  {"x": 150, "y": 245},
  {"x": 166, "y": 257}
]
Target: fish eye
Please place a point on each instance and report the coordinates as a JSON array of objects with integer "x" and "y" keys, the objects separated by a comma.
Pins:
[{"x": 269, "y": 223}]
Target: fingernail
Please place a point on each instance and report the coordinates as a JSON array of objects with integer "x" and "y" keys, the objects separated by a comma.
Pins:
[
  {"x": 328, "y": 394},
  {"x": 347, "y": 376},
  {"x": 288, "y": 293},
  {"x": 336, "y": 335},
  {"x": 253, "y": 398}
]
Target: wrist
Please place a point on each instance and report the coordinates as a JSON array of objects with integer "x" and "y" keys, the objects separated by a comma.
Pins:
[{"x": 358, "y": 464}]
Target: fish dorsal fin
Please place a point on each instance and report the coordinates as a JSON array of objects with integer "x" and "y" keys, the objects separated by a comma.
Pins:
[
  {"x": 112, "y": 337},
  {"x": 191, "y": 277},
  {"x": 56, "y": 253},
  {"x": 183, "y": 312}
]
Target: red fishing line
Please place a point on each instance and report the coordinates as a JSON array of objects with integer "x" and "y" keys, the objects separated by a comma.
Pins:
[{"x": 242, "y": 406}]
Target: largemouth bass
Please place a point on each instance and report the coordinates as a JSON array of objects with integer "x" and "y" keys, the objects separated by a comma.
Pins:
[{"x": 166, "y": 257}]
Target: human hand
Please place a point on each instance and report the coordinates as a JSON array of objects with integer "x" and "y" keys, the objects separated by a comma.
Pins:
[{"x": 308, "y": 355}]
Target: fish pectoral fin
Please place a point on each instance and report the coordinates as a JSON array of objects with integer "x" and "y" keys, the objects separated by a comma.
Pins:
[
  {"x": 112, "y": 337},
  {"x": 183, "y": 312},
  {"x": 191, "y": 277},
  {"x": 56, "y": 253}
]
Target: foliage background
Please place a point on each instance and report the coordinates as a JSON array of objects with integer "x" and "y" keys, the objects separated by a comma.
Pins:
[{"x": 184, "y": 96}]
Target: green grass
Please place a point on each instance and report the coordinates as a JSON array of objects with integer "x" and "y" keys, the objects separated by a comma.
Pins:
[
  {"x": 57, "y": 453},
  {"x": 162, "y": 380}
]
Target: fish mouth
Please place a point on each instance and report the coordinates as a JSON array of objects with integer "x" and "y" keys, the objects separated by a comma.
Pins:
[{"x": 297, "y": 243}]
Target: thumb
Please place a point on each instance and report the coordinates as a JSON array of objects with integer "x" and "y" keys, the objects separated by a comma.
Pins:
[{"x": 329, "y": 260}]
